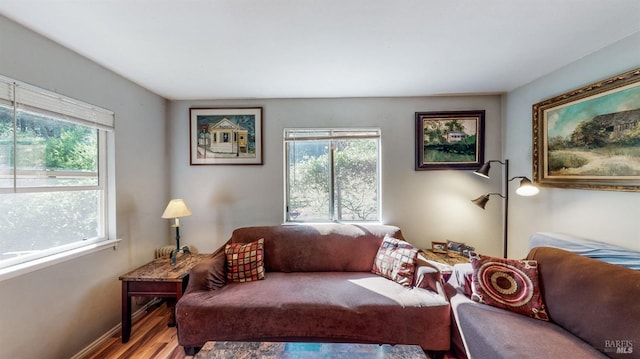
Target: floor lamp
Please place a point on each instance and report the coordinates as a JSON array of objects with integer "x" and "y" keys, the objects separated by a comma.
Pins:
[{"x": 526, "y": 188}]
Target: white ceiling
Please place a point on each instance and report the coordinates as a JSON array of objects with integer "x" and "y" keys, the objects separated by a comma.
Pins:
[{"x": 222, "y": 49}]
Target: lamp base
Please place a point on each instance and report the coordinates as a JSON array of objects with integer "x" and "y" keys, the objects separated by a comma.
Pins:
[{"x": 176, "y": 254}]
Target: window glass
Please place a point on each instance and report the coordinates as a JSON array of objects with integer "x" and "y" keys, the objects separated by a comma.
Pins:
[
  {"x": 332, "y": 175},
  {"x": 356, "y": 179},
  {"x": 51, "y": 152},
  {"x": 309, "y": 181},
  {"x": 34, "y": 223},
  {"x": 53, "y": 180}
]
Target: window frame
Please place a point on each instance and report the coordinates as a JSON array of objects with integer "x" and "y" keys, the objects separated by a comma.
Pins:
[
  {"x": 331, "y": 134},
  {"x": 19, "y": 96}
]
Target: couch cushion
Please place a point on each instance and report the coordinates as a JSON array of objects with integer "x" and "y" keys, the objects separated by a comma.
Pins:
[
  {"x": 327, "y": 306},
  {"x": 245, "y": 262},
  {"x": 508, "y": 284},
  {"x": 596, "y": 301},
  {"x": 490, "y": 332},
  {"x": 396, "y": 260},
  {"x": 209, "y": 274},
  {"x": 318, "y": 247}
]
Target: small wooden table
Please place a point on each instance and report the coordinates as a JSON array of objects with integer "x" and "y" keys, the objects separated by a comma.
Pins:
[
  {"x": 276, "y": 350},
  {"x": 156, "y": 279},
  {"x": 447, "y": 261}
]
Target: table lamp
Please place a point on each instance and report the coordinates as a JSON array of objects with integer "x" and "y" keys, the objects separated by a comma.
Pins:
[{"x": 176, "y": 209}]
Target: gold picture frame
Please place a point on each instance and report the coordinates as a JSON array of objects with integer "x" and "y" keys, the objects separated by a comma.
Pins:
[{"x": 589, "y": 138}]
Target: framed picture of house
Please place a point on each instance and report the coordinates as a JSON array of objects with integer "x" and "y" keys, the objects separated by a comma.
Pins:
[
  {"x": 449, "y": 140},
  {"x": 589, "y": 138},
  {"x": 226, "y": 136}
]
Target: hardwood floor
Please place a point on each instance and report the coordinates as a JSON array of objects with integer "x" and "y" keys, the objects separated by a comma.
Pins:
[{"x": 151, "y": 338}]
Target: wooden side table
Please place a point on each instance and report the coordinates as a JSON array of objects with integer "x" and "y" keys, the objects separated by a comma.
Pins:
[
  {"x": 446, "y": 259},
  {"x": 156, "y": 279}
]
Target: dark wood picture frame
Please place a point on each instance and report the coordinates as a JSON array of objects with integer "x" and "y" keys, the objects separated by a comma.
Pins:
[
  {"x": 589, "y": 138},
  {"x": 449, "y": 140},
  {"x": 226, "y": 135}
]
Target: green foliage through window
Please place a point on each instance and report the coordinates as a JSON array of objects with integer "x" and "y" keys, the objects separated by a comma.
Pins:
[{"x": 333, "y": 179}]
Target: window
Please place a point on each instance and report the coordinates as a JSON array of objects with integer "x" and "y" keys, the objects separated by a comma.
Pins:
[
  {"x": 53, "y": 173},
  {"x": 332, "y": 175}
]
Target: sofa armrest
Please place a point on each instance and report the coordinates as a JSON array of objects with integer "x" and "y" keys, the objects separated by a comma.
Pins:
[
  {"x": 427, "y": 275},
  {"x": 209, "y": 274}
]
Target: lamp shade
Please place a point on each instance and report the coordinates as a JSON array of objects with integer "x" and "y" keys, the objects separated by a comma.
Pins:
[
  {"x": 481, "y": 201},
  {"x": 527, "y": 188},
  {"x": 176, "y": 208},
  {"x": 483, "y": 171}
]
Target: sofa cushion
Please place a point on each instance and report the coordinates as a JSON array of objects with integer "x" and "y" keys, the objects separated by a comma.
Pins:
[
  {"x": 245, "y": 262},
  {"x": 396, "y": 260},
  {"x": 508, "y": 284},
  {"x": 595, "y": 300},
  {"x": 490, "y": 332},
  {"x": 316, "y": 306},
  {"x": 209, "y": 274}
]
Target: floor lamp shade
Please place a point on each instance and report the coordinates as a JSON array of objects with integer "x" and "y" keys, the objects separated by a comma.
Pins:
[
  {"x": 527, "y": 188},
  {"x": 481, "y": 201}
]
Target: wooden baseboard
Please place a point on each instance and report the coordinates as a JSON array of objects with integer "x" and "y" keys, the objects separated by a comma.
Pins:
[{"x": 103, "y": 338}]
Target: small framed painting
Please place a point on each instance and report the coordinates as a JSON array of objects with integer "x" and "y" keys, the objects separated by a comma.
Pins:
[
  {"x": 449, "y": 140},
  {"x": 226, "y": 136},
  {"x": 439, "y": 247}
]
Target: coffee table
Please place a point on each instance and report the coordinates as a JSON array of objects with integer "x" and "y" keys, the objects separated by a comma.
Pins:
[{"x": 282, "y": 350}]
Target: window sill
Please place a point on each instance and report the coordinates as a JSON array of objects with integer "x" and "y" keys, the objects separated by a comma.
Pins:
[{"x": 31, "y": 266}]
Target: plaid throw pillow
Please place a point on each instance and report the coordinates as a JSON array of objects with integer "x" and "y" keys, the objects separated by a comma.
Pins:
[
  {"x": 396, "y": 260},
  {"x": 508, "y": 284},
  {"x": 245, "y": 262}
]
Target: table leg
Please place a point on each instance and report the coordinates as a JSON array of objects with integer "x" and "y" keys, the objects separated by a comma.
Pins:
[
  {"x": 171, "y": 303},
  {"x": 126, "y": 312}
]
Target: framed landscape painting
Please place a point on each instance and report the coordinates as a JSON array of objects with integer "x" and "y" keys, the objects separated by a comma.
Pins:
[
  {"x": 226, "y": 136},
  {"x": 449, "y": 140},
  {"x": 589, "y": 138}
]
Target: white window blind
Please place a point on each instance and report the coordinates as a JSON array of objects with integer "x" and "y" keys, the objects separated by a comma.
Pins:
[{"x": 30, "y": 98}]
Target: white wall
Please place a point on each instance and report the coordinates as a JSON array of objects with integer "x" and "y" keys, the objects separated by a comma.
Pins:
[
  {"x": 427, "y": 205},
  {"x": 612, "y": 217},
  {"x": 57, "y": 311}
]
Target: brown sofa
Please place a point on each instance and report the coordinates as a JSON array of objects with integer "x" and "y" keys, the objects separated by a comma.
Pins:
[
  {"x": 593, "y": 308},
  {"x": 318, "y": 286}
]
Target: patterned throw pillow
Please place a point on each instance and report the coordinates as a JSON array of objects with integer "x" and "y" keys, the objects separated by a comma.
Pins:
[
  {"x": 245, "y": 262},
  {"x": 508, "y": 284},
  {"x": 396, "y": 261}
]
